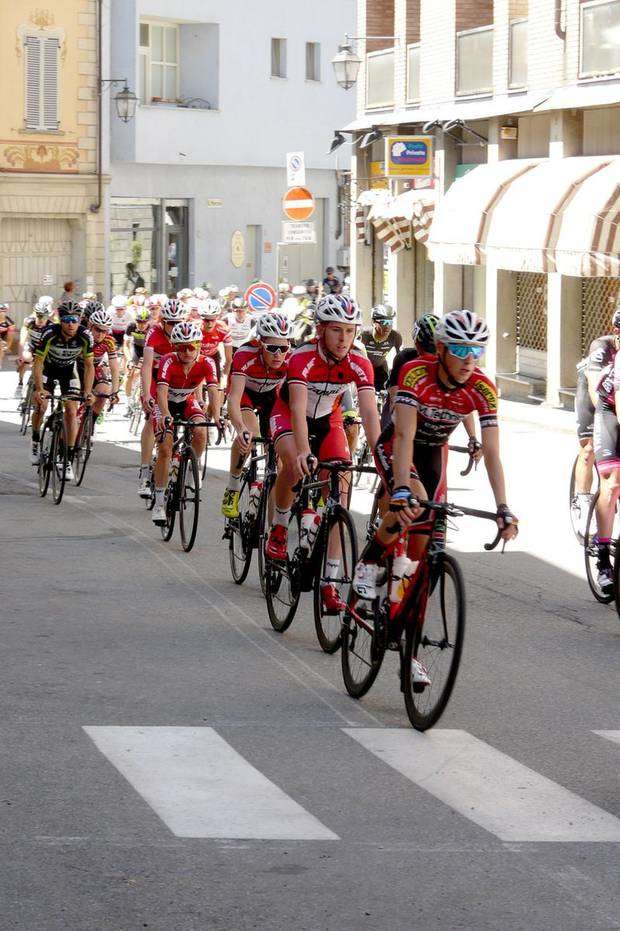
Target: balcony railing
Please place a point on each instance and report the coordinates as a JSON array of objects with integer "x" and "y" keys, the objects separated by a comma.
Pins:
[
  {"x": 413, "y": 72},
  {"x": 474, "y": 61},
  {"x": 380, "y": 78},
  {"x": 600, "y": 38},
  {"x": 518, "y": 54}
]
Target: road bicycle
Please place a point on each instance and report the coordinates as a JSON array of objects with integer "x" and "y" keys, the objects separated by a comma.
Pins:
[
  {"x": 426, "y": 623},
  {"x": 247, "y": 531},
  {"x": 573, "y": 510},
  {"x": 53, "y": 451},
  {"x": 305, "y": 568},
  {"x": 590, "y": 550},
  {"x": 182, "y": 495},
  {"x": 26, "y": 407}
]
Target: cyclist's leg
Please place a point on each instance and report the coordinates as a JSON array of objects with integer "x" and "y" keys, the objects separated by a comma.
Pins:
[
  {"x": 585, "y": 428},
  {"x": 230, "y": 501},
  {"x": 147, "y": 442},
  {"x": 102, "y": 388},
  {"x": 38, "y": 413},
  {"x": 193, "y": 412},
  {"x": 163, "y": 438},
  {"x": 286, "y": 452},
  {"x": 607, "y": 453}
]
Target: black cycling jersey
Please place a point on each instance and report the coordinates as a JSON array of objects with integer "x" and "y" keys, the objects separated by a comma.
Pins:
[
  {"x": 59, "y": 352},
  {"x": 35, "y": 333},
  {"x": 377, "y": 350},
  {"x": 405, "y": 355}
]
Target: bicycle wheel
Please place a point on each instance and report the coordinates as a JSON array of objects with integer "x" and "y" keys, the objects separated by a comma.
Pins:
[
  {"x": 46, "y": 451},
  {"x": 26, "y": 408},
  {"x": 167, "y": 529},
  {"x": 262, "y": 528},
  {"x": 83, "y": 446},
  {"x": 359, "y": 460},
  {"x": 437, "y": 642},
  {"x": 240, "y": 543},
  {"x": 363, "y": 644},
  {"x": 59, "y": 460},
  {"x": 283, "y": 580},
  {"x": 189, "y": 498},
  {"x": 590, "y": 551},
  {"x": 329, "y": 626}
]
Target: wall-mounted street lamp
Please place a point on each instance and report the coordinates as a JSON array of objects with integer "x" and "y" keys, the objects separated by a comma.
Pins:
[
  {"x": 125, "y": 101},
  {"x": 347, "y": 63}
]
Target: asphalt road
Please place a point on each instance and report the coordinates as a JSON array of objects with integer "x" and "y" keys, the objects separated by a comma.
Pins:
[{"x": 169, "y": 762}]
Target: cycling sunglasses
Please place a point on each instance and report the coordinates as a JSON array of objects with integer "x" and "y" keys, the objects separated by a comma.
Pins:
[
  {"x": 188, "y": 347},
  {"x": 384, "y": 322},
  {"x": 462, "y": 350},
  {"x": 273, "y": 348},
  {"x": 72, "y": 318}
]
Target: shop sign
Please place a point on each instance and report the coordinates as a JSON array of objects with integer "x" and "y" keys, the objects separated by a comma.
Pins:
[
  {"x": 408, "y": 156},
  {"x": 298, "y": 233}
]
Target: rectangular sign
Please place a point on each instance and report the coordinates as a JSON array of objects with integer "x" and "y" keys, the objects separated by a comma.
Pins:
[
  {"x": 409, "y": 156},
  {"x": 295, "y": 169},
  {"x": 378, "y": 181},
  {"x": 299, "y": 233}
]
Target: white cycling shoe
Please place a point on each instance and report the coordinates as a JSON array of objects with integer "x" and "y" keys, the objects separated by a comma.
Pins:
[
  {"x": 365, "y": 579},
  {"x": 35, "y": 455},
  {"x": 69, "y": 473},
  {"x": 144, "y": 488},
  {"x": 419, "y": 673},
  {"x": 159, "y": 515}
]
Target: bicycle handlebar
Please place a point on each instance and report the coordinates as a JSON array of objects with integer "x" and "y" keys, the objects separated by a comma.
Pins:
[{"x": 472, "y": 462}]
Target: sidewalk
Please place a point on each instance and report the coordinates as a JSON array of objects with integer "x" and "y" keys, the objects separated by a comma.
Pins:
[{"x": 550, "y": 418}]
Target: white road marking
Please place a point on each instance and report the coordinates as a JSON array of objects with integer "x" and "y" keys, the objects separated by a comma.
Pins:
[
  {"x": 614, "y": 736},
  {"x": 201, "y": 787},
  {"x": 490, "y": 788}
]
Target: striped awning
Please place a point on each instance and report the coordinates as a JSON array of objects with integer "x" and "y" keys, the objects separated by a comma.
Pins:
[
  {"x": 541, "y": 215},
  {"x": 397, "y": 219}
]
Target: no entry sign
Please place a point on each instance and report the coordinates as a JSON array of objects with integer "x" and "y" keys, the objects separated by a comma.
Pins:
[{"x": 298, "y": 203}]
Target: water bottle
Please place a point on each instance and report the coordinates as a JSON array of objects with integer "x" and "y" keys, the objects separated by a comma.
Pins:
[
  {"x": 256, "y": 489},
  {"x": 310, "y": 521},
  {"x": 403, "y": 569},
  {"x": 174, "y": 468}
]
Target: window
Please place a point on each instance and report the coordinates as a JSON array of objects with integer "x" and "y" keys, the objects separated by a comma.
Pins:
[
  {"x": 278, "y": 58},
  {"x": 158, "y": 62},
  {"x": 474, "y": 61},
  {"x": 600, "y": 37},
  {"x": 41, "y": 83},
  {"x": 380, "y": 78},
  {"x": 518, "y": 54},
  {"x": 413, "y": 72},
  {"x": 313, "y": 61}
]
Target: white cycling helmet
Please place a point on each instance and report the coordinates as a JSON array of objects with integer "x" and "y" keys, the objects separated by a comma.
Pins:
[
  {"x": 102, "y": 318},
  {"x": 184, "y": 293},
  {"x": 188, "y": 331},
  {"x": 42, "y": 310},
  {"x": 119, "y": 300},
  {"x": 336, "y": 308},
  {"x": 299, "y": 290},
  {"x": 284, "y": 287},
  {"x": 87, "y": 296},
  {"x": 172, "y": 310},
  {"x": 462, "y": 326},
  {"x": 46, "y": 299},
  {"x": 201, "y": 294},
  {"x": 210, "y": 310},
  {"x": 272, "y": 325}
]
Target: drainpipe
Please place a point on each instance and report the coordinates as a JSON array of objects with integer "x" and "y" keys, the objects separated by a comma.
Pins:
[
  {"x": 94, "y": 208},
  {"x": 560, "y": 28}
]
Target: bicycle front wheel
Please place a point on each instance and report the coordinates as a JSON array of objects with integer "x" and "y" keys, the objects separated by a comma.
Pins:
[
  {"x": 189, "y": 498},
  {"x": 167, "y": 529},
  {"x": 283, "y": 581},
  {"x": 363, "y": 645},
  {"x": 591, "y": 555},
  {"x": 436, "y": 641},
  {"x": 240, "y": 545},
  {"x": 26, "y": 409},
  {"x": 328, "y": 624},
  {"x": 46, "y": 453},
  {"x": 83, "y": 446},
  {"x": 59, "y": 460},
  {"x": 262, "y": 527}
]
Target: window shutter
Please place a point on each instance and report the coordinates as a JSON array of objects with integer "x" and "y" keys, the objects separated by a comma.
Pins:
[
  {"x": 50, "y": 84},
  {"x": 33, "y": 81}
]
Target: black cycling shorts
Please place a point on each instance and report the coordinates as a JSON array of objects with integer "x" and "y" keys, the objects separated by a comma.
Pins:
[
  {"x": 606, "y": 439},
  {"x": 66, "y": 378},
  {"x": 584, "y": 408}
]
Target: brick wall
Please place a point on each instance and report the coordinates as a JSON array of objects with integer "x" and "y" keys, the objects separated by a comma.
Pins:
[
  {"x": 412, "y": 21},
  {"x": 518, "y": 9},
  {"x": 379, "y": 22},
  {"x": 473, "y": 13}
]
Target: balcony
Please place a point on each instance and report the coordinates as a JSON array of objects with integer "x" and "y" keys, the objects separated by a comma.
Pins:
[
  {"x": 413, "y": 73},
  {"x": 600, "y": 38},
  {"x": 380, "y": 79},
  {"x": 474, "y": 62}
]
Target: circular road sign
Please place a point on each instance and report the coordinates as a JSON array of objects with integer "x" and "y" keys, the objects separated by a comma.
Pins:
[
  {"x": 298, "y": 203},
  {"x": 261, "y": 297}
]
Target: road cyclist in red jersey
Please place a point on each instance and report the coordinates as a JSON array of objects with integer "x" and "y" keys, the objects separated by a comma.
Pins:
[
  {"x": 433, "y": 397},
  {"x": 105, "y": 357},
  {"x": 306, "y": 421},
  {"x": 180, "y": 380},
  {"x": 156, "y": 346},
  {"x": 258, "y": 370}
]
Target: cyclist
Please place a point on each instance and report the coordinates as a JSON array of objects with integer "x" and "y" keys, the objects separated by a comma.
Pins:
[
  {"x": 88, "y": 308},
  {"x": 306, "y": 421},
  {"x": 133, "y": 345},
  {"x": 239, "y": 321},
  {"x": 434, "y": 395},
  {"x": 606, "y": 441},
  {"x": 157, "y": 344},
  {"x": 7, "y": 328},
  {"x": 591, "y": 372},
  {"x": 180, "y": 378},
  {"x": 30, "y": 336},
  {"x": 121, "y": 318},
  {"x": 55, "y": 362},
  {"x": 258, "y": 370},
  {"x": 215, "y": 333},
  {"x": 105, "y": 357},
  {"x": 379, "y": 342}
]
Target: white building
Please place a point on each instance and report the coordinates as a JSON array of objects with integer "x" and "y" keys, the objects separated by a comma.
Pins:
[{"x": 226, "y": 90}]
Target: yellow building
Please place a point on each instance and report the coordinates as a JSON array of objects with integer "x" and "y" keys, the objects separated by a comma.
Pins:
[{"x": 51, "y": 189}]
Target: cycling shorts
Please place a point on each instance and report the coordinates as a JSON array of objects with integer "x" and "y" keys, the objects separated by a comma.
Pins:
[
  {"x": 102, "y": 376},
  {"x": 262, "y": 405},
  {"x": 606, "y": 439},
  {"x": 136, "y": 355},
  {"x": 118, "y": 338},
  {"x": 584, "y": 408},
  {"x": 328, "y": 440},
  {"x": 381, "y": 377},
  {"x": 189, "y": 409},
  {"x": 430, "y": 463},
  {"x": 67, "y": 379}
]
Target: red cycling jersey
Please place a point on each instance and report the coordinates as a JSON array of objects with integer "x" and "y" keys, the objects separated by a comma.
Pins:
[
  {"x": 249, "y": 362},
  {"x": 180, "y": 383},
  {"x": 326, "y": 380},
  {"x": 105, "y": 347},
  {"x": 158, "y": 341},
  {"x": 218, "y": 335},
  {"x": 440, "y": 411}
]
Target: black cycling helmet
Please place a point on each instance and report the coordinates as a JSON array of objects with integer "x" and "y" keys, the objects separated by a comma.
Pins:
[
  {"x": 424, "y": 333},
  {"x": 91, "y": 307},
  {"x": 69, "y": 308},
  {"x": 382, "y": 313}
]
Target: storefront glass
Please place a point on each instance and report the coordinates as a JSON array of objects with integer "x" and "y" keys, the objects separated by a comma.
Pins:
[{"x": 148, "y": 245}]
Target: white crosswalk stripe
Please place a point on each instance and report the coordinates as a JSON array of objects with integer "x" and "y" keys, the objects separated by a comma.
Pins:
[
  {"x": 488, "y": 787},
  {"x": 201, "y": 787},
  {"x": 614, "y": 736}
]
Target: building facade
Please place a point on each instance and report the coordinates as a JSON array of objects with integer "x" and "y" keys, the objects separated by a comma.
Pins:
[
  {"x": 52, "y": 216},
  {"x": 226, "y": 90},
  {"x": 518, "y": 218}
]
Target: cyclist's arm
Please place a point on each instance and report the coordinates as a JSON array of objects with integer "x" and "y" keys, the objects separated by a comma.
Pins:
[
  {"x": 127, "y": 347},
  {"x": 469, "y": 422},
  {"x": 298, "y": 400},
  {"x": 213, "y": 393},
  {"x": 228, "y": 354},
  {"x": 146, "y": 376},
  {"x": 405, "y": 425},
  {"x": 37, "y": 372},
  {"x": 23, "y": 340},
  {"x": 493, "y": 463},
  {"x": 162, "y": 399},
  {"x": 89, "y": 374},
  {"x": 593, "y": 379},
  {"x": 115, "y": 372},
  {"x": 367, "y": 403},
  {"x": 236, "y": 389}
]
